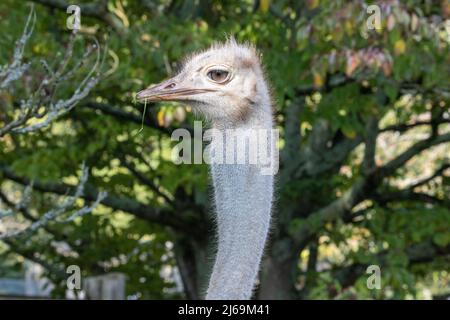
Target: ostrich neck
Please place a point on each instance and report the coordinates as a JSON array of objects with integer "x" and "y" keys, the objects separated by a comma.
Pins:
[{"x": 243, "y": 200}]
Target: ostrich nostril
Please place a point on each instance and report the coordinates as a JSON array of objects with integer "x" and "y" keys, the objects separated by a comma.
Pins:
[{"x": 170, "y": 86}]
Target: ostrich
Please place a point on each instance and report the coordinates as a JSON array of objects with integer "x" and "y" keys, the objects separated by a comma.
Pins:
[{"x": 226, "y": 85}]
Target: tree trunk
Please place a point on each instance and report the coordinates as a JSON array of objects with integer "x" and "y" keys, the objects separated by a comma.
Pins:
[
  {"x": 278, "y": 270},
  {"x": 194, "y": 266}
]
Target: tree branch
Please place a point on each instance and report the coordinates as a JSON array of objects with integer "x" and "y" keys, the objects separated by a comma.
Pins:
[
  {"x": 327, "y": 159},
  {"x": 419, "y": 253},
  {"x": 146, "y": 181},
  {"x": 331, "y": 82},
  {"x": 55, "y": 272},
  {"x": 407, "y": 126},
  {"x": 409, "y": 195},
  {"x": 439, "y": 172},
  {"x": 115, "y": 202},
  {"x": 417, "y": 148},
  {"x": 361, "y": 190},
  {"x": 370, "y": 145},
  {"x": 40, "y": 103},
  {"x": 124, "y": 116},
  {"x": 55, "y": 213}
]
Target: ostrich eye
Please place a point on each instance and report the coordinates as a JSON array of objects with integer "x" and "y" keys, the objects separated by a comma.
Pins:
[{"x": 218, "y": 75}]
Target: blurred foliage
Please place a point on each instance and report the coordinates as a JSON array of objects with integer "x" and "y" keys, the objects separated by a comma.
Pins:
[{"x": 396, "y": 74}]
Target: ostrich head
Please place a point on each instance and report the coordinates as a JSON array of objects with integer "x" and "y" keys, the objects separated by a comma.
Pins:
[{"x": 224, "y": 83}]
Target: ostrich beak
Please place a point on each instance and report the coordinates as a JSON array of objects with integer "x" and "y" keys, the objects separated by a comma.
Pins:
[{"x": 169, "y": 90}]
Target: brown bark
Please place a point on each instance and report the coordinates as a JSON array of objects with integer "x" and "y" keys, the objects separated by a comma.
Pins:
[
  {"x": 194, "y": 266},
  {"x": 278, "y": 271}
]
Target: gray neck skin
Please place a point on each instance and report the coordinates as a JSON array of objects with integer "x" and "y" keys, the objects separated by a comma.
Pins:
[{"x": 243, "y": 200}]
